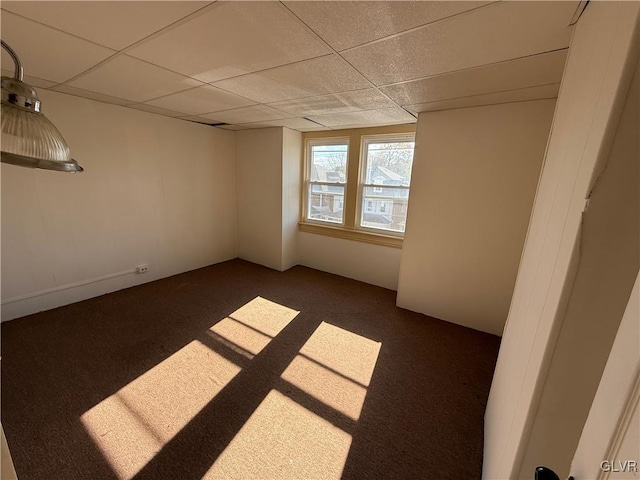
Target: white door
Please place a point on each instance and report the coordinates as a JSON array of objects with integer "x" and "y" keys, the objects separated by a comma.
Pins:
[{"x": 609, "y": 447}]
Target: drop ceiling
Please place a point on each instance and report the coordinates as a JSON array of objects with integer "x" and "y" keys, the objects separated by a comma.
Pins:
[{"x": 316, "y": 65}]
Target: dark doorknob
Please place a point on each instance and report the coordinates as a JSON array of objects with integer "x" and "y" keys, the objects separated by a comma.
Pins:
[{"x": 544, "y": 473}]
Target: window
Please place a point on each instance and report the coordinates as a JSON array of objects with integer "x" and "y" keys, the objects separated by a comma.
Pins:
[
  {"x": 327, "y": 178},
  {"x": 386, "y": 173},
  {"x": 357, "y": 183}
]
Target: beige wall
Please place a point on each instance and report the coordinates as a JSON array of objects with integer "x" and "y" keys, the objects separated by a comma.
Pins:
[
  {"x": 369, "y": 263},
  {"x": 7, "y": 470},
  {"x": 561, "y": 245},
  {"x": 268, "y": 177},
  {"x": 291, "y": 185},
  {"x": 155, "y": 190},
  {"x": 612, "y": 407},
  {"x": 608, "y": 265},
  {"x": 259, "y": 180},
  {"x": 472, "y": 187}
]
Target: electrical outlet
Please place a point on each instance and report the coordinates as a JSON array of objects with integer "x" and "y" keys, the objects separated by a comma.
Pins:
[{"x": 142, "y": 268}]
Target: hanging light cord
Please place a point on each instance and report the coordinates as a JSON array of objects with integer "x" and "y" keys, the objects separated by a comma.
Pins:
[{"x": 19, "y": 72}]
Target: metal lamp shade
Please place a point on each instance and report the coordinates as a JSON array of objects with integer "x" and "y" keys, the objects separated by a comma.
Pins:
[{"x": 29, "y": 139}]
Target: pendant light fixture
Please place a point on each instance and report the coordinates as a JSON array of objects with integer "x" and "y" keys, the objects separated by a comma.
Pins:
[{"x": 29, "y": 139}]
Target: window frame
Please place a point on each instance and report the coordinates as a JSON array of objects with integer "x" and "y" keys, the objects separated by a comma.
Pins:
[{"x": 352, "y": 198}]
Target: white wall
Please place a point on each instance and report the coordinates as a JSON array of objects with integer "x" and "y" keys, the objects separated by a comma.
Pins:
[
  {"x": 259, "y": 184},
  {"x": 375, "y": 264},
  {"x": 472, "y": 188},
  {"x": 268, "y": 177},
  {"x": 155, "y": 190},
  {"x": 291, "y": 185},
  {"x": 607, "y": 267},
  {"x": 612, "y": 412},
  {"x": 599, "y": 69}
]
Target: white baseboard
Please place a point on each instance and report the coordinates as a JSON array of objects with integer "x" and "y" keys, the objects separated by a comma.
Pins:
[{"x": 29, "y": 303}]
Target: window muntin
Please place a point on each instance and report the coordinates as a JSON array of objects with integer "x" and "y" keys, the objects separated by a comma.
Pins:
[
  {"x": 386, "y": 164},
  {"x": 327, "y": 163}
]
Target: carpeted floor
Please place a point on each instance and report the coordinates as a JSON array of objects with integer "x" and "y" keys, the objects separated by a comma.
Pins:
[{"x": 239, "y": 371}]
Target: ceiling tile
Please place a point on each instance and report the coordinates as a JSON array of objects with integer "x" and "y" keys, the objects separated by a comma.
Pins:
[
  {"x": 498, "y": 32},
  {"x": 255, "y": 113},
  {"x": 78, "y": 92},
  {"x": 152, "y": 109},
  {"x": 301, "y": 124},
  {"x": 368, "y": 99},
  {"x": 231, "y": 39},
  {"x": 33, "y": 81},
  {"x": 521, "y": 95},
  {"x": 112, "y": 24},
  {"x": 318, "y": 76},
  {"x": 345, "y": 24},
  {"x": 199, "y": 100},
  {"x": 387, "y": 116},
  {"x": 47, "y": 53},
  {"x": 530, "y": 71},
  {"x": 132, "y": 79}
]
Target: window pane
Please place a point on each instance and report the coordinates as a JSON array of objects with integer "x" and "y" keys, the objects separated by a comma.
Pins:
[
  {"x": 384, "y": 208},
  {"x": 326, "y": 203},
  {"x": 329, "y": 163},
  {"x": 389, "y": 163}
]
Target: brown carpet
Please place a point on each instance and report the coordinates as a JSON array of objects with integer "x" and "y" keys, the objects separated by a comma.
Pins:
[{"x": 239, "y": 371}]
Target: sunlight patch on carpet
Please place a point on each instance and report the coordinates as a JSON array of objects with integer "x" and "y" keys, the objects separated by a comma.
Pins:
[
  {"x": 131, "y": 426},
  {"x": 282, "y": 439},
  {"x": 321, "y": 383},
  {"x": 265, "y": 316},
  {"x": 250, "y": 328},
  {"x": 335, "y": 366},
  {"x": 234, "y": 333}
]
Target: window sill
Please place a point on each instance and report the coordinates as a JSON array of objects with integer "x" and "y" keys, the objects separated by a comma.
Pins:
[{"x": 347, "y": 234}]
